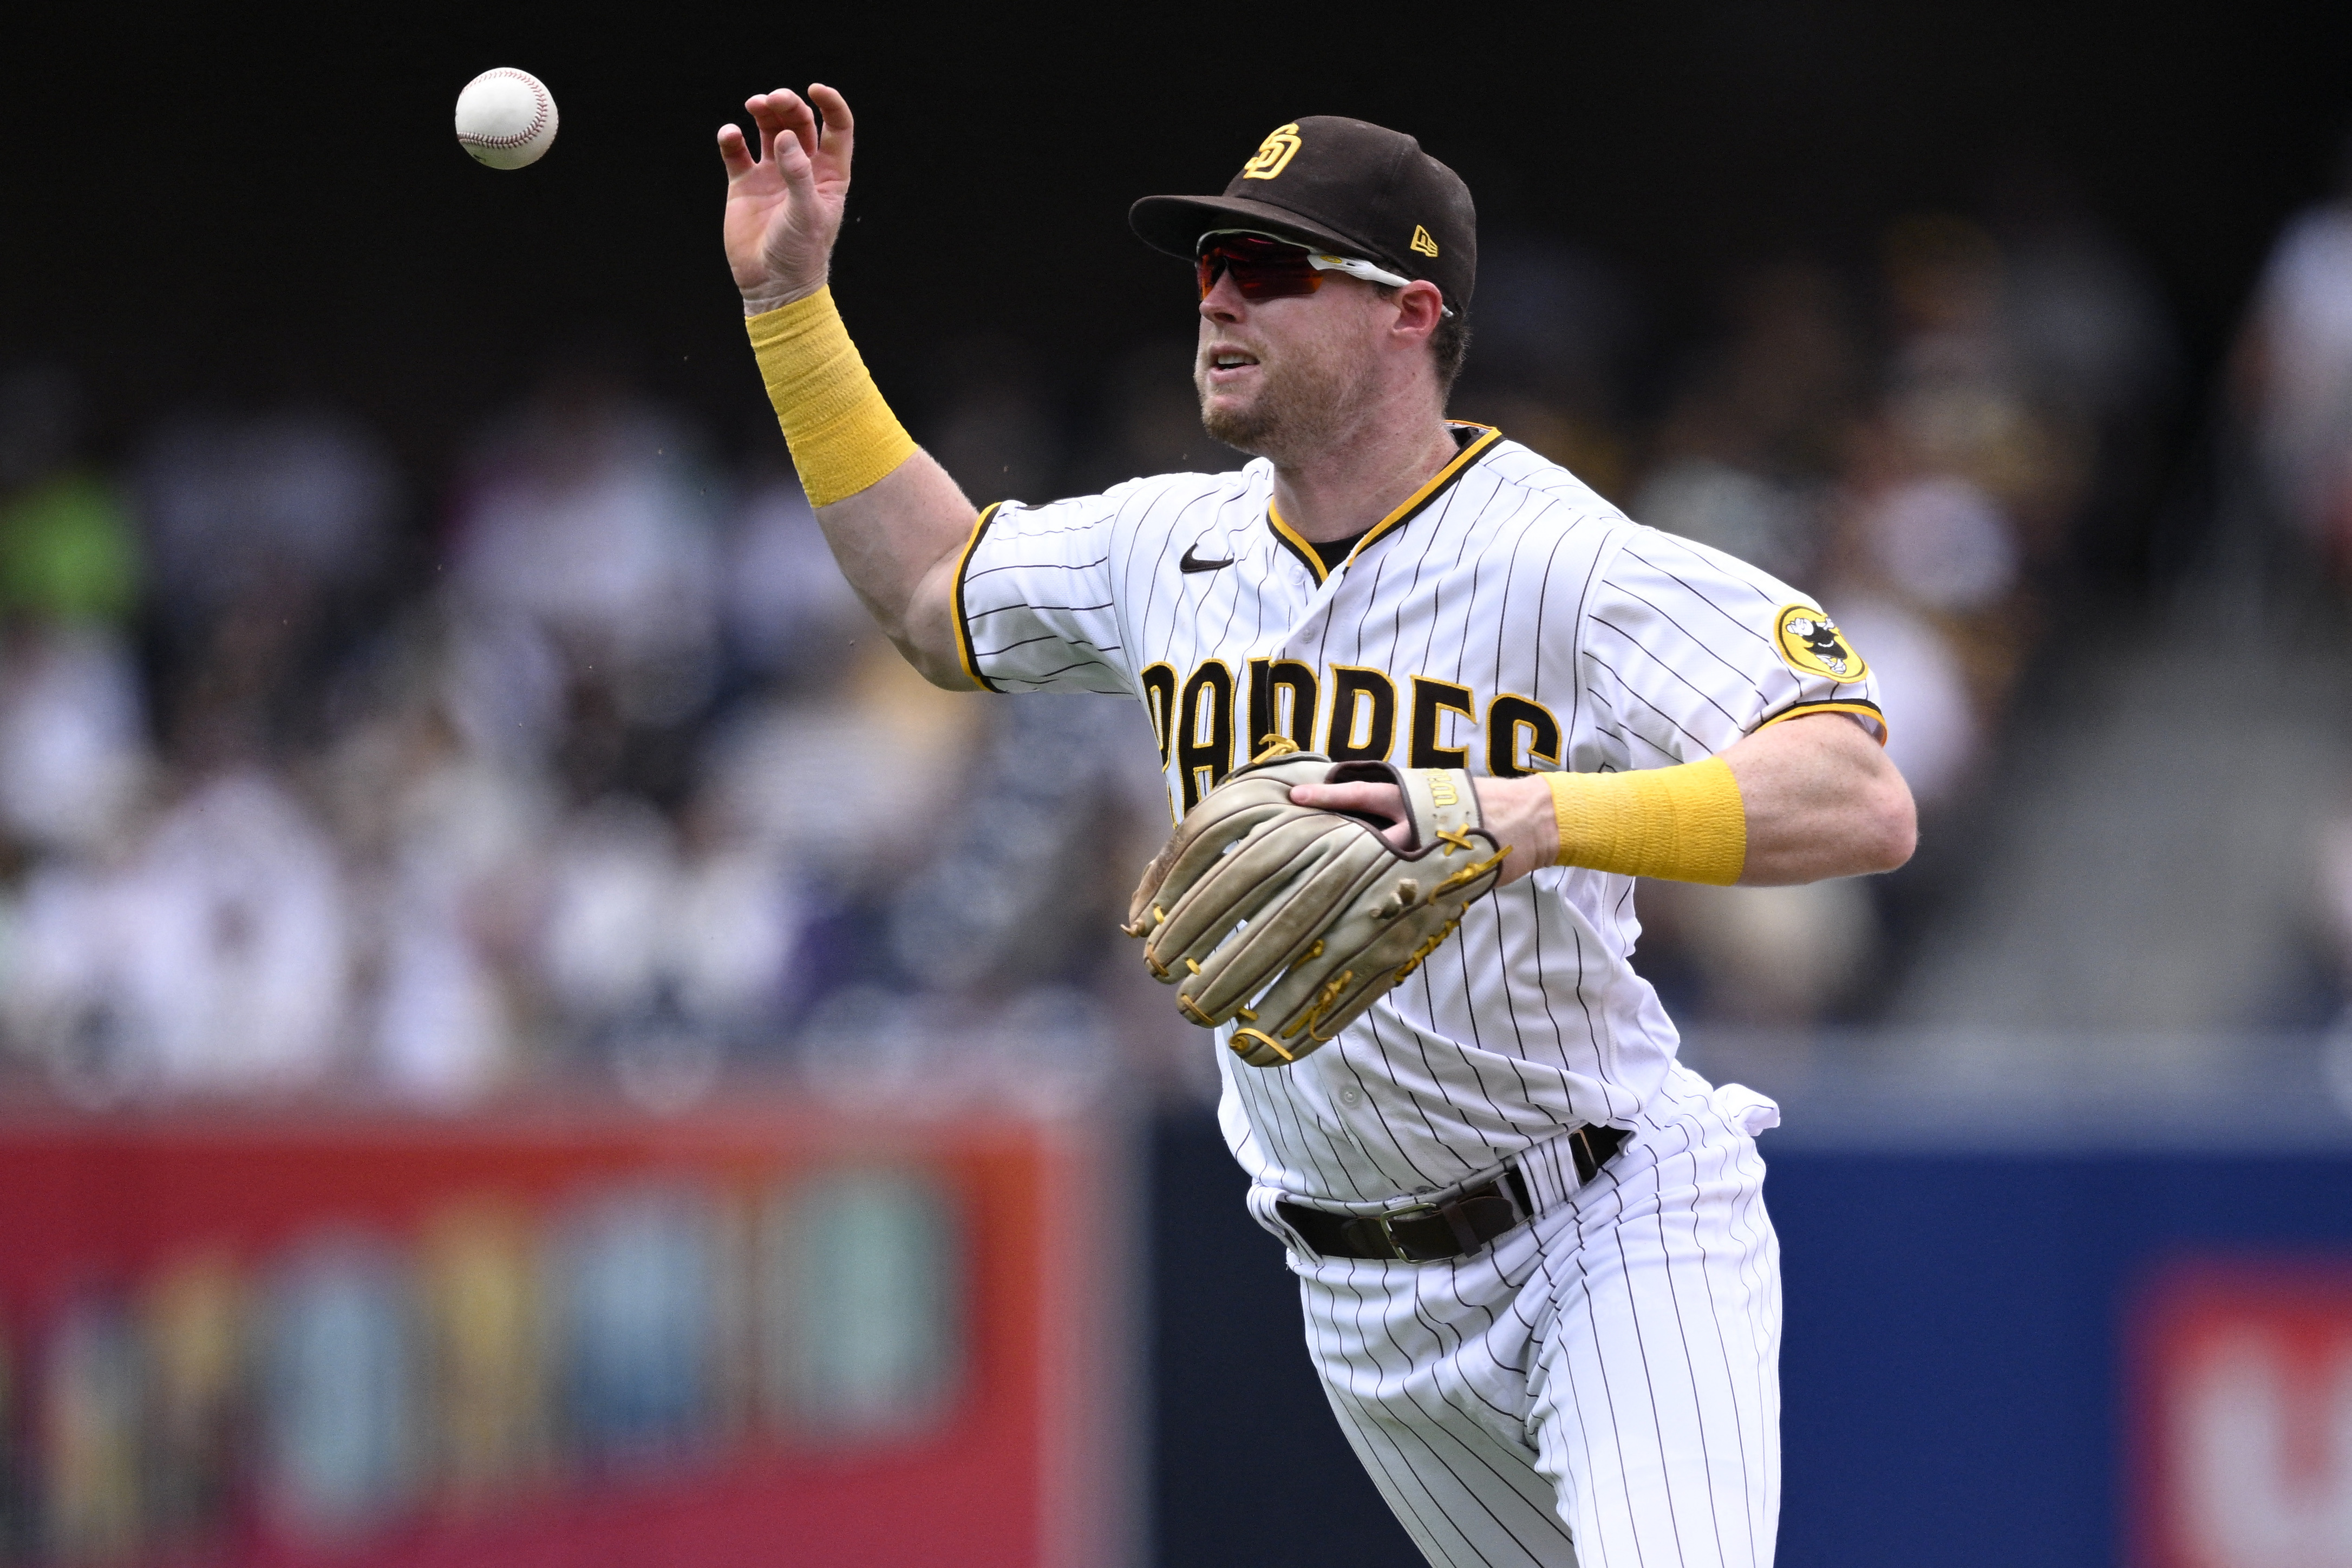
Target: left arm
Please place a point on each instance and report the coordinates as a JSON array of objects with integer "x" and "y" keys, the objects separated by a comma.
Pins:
[
  {"x": 1819, "y": 795},
  {"x": 1821, "y": 800}
]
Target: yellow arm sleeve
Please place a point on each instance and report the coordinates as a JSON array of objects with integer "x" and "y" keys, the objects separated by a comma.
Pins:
[
  {"x": 842, "y": 437},
  {"x": 1683, "y": 824}
]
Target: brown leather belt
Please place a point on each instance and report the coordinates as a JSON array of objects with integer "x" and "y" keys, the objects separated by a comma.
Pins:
[{"x": 1453, "y": 1227}]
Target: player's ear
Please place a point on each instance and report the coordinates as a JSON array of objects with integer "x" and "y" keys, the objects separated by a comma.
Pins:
[{"x": 1420, "y": 306}]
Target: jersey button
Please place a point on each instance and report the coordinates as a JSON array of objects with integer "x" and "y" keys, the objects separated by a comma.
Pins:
[{"x": 1350, "y": 1095}]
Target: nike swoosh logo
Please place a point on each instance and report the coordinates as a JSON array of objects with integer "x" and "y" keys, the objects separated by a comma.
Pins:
[{"x": 1192, "y": 563}]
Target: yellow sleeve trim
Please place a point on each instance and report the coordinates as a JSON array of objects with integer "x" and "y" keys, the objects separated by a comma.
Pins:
[
  {"x": 1683, "y": 824},
  {"x": 962, "y": 625},
  {"x": 1867, "y": 712},
  {"x": 844, "y": 438}
]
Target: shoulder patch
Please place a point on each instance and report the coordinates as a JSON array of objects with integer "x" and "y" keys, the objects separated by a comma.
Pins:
[{"x": 1810, "y": 643}]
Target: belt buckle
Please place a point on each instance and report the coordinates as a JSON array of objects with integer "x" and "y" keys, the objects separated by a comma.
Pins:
[
  {"x": 1509, "y": 1186},
  {"x": 1410, "y": 1211}
]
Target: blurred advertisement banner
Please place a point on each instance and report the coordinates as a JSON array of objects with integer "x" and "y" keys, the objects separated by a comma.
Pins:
[
  {"x": 758, "y": 1336},
  {"x": 2244, "y": 1427}
]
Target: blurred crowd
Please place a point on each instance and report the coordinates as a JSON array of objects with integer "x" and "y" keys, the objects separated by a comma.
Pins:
[
  {"x": 1943, "y": 445},
  {"x": 1947, "y": 457},
  {"x": 316, "y": 773},
  {"x": 610, "y": 773}
]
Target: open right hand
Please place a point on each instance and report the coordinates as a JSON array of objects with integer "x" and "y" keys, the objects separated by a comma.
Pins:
[{"x": 783, "y": 207}]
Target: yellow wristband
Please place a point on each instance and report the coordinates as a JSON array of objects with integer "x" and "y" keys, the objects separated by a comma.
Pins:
[
  {"x": 842, "y": 437},
  {"x": 1683, "y": 824}
]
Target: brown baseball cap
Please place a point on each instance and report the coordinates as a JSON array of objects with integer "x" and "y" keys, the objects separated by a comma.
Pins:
[{"x": 1343, "y": 186}]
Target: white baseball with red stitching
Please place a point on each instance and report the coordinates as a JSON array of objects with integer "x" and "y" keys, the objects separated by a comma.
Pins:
[{"x": 506, "y": 117}]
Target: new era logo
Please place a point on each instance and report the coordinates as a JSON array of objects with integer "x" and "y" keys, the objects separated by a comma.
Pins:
[{"x": 1422, "y": 242}]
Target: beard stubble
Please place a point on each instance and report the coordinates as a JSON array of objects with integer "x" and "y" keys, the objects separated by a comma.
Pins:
[{"x": 1305, "y": 402}]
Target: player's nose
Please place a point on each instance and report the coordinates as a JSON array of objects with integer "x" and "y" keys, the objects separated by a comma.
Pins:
[{"x": 1224, "y": 302}]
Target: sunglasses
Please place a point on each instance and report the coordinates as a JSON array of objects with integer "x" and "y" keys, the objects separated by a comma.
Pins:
[{"x": 1265, "y": 268}]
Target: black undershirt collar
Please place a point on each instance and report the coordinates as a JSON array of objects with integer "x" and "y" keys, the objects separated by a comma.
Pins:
[{"x": 1334, "y": 553}]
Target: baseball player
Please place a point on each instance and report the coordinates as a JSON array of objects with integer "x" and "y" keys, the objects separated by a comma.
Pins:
[{"x": 1539, "y": 1285}]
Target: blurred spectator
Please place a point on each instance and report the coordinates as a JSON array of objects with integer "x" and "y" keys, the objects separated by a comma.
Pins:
[
  {"x": 73, "y": 755},
  {"x": 776, "y": 773},
  {"x": 586, "y": 519},
  {"x": 72, "y": 716},
  {"x": 995, "y": 428},
  {"x": 792, "y": 617},
  {"x": 1763, "y": 522},
  {"x": 1959, "y": 403},
  {"x": 2294, "y": 373},
  {"x": 1746, "y": 448},
  {"x": 69, "y": 550},
  {"x": 444, "y": 1033},
  {"x": 503, "y": 684},
  {"x": 1936, "y": 543},
  {"x": 2090, "y": 331},
  {"x": 267, "y": 529},
  {"x": 667, "y": 959},
  {"x": 289, "y": 506},
  {"x": 444, "y": 829},
  {"x": 1151, "y": 421},
  {"x": 1551, "y": 334},
  {"x": 1770, "y": 957},
  {"x": 1958, "y": 490},
  {"x": 215, "y": 958},
  {"x": 995, "y": 910},
  {"x": 2332, "y": 866}
]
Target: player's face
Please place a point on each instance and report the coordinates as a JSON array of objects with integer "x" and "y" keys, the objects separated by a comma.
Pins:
[{"x": 1282, "y": 378}]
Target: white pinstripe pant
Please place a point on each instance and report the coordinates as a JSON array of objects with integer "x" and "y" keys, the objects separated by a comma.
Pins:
[{"x": 1600, "y": 1389}]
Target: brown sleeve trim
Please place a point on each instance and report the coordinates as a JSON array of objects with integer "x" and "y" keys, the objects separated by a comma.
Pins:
[{"x": 1855, "y": 706}]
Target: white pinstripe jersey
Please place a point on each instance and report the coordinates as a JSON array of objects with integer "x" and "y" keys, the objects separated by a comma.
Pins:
[{"x": 1506, "y": 619}]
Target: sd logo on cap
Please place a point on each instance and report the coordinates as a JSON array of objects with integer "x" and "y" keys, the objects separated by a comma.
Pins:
[{"x": 1340, "y": 186}]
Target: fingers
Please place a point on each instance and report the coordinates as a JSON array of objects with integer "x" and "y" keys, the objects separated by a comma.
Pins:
[
  {"x": 793, "y": 161},
  {"x": 792, "y": 136},
  {"x": 840, "y": 126},
  {"x": 775, "y": 111},
  {"x": 734, "y": 153},
  {"x": 834, "y": 107},
  {"x": 765, "y": 114},
  {"x": 787, "y": 129},
  {"x": 1381, "y": 800},
  {"x": 782, "y": 113},
  {"x": 798, "y": 119}
]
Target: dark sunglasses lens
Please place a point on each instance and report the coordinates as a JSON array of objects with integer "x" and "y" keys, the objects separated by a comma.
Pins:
[
  {"x": 1258, "y": 280},
  {"x": 1261, "y": 270}
]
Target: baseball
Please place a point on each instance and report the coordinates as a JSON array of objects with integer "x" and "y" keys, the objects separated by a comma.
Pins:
[{"x": 506, "y": 118}]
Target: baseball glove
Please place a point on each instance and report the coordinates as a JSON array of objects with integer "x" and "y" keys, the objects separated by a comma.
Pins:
[{"x": 1294, "y": 920}]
